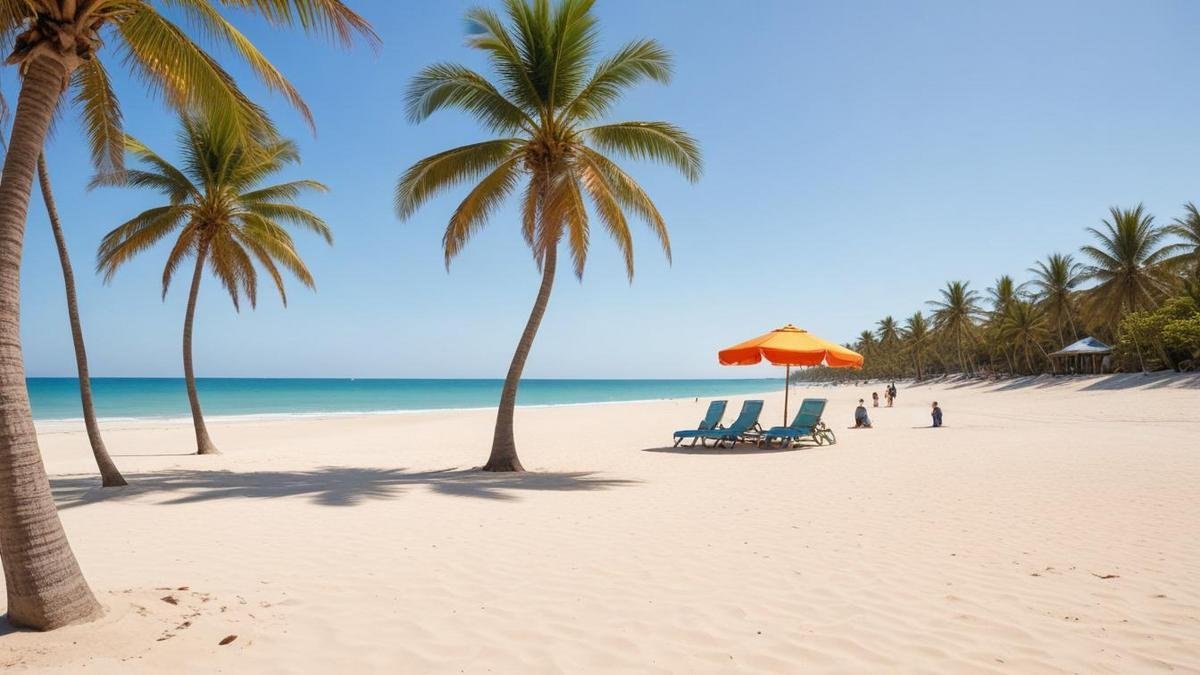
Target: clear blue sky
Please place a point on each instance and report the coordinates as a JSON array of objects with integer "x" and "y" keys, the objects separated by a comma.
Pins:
[{"x": 858, "y": 155}]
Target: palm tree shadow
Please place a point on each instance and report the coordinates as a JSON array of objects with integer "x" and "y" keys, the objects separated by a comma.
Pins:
[{"x": 328, "y": 486}]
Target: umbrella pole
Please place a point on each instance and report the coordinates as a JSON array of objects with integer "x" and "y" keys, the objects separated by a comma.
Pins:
[{"x": 787, "y": 385}]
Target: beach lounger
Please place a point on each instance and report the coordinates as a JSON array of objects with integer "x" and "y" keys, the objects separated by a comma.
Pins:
[
  {"x": 712, "y": 420},
  {"x": 744, "y": 429},
  {"x": 807, "y": 424}
]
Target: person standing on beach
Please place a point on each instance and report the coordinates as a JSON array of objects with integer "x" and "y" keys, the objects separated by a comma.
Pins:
[
  {"x": 937, "y": 415},
  {"x": 891, "y": 394},
  {"x": 874, "y": 399}
]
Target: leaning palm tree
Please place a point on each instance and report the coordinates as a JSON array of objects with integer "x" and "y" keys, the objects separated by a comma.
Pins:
[
  {"x": 916, "y": 337},
  {"x": 955, "y": 316},
  {"x": 222, "y": 216},
  {"x": 57, "y": 45},
  {"x": 1125, "y": 263},
  {"x": 110, "y": 476},
  {"x": 1054, "y": 282},
  {"x": 550, "y": 95},
  {"x": 1186, "y": 252}
]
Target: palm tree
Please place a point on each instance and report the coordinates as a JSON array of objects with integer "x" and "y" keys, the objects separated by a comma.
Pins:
[
  {"x": 1126, "y": 264},
  {"x": 916, "y": 337},
  {"x": 1024, "y": 327},
  {"x": 1054, "y": 282},
  {"x": 955, "y": 314},
  {"x": 551, "y": 93},
  {"x": 1186, "y": 252},
  {"x": 57, "y": 45},
  {"x": 222, "y": 216},
  {"x": 110, "y": 476},
  {"x": 1002, "y": 296}
]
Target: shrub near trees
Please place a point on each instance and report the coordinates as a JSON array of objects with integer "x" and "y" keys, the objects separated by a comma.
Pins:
[{"x": 1134, "y": 285}]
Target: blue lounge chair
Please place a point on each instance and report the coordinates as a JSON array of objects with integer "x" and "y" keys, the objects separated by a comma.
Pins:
[
  {"x": 807, "y": 424},
  {"x": 744, "y": 428},
  {"x": 712, "y": 420}
]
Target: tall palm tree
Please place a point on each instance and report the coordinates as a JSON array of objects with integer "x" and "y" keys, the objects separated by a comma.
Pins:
[
  {"x": 1125, "y": 263},
  {"x": 110, "y": 476},
  {"x": 1186, "y": 252},
  {"x": 955, "y": 314},
  {"x": 56, "y": 46},
  {"x": 1054, "y": 282},
  {"x": 1024, "y": 328},
  {"x": 551, "y": 92},
  {"x": 1001, "y": 296},
  {"x": 222, "y": 216},
  {"x": 917, "y": 338}
]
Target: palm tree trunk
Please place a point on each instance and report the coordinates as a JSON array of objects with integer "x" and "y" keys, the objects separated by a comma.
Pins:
[
  {"x": 504, "y": 446},
  {"x": 46, "y": 588},
  {"x": 204, "y": 444},
  {"x": 110, "y": 476}
]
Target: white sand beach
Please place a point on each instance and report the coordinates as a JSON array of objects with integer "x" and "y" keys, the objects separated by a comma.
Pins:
[{"x": 1050, "y": 527}]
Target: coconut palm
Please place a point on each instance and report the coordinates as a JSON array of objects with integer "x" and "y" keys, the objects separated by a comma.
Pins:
[
  {"x": 1023, "y": 327},
  {"x": 1125, "y": 263},
  {"x": 222, "y": 216},
  {"x": 1054, "y": 282},
  {"x": 917, "y": 339},
  {"x": 550, "y": 95},
  {"x": 1186, "y": 252},
  {"x": 955, "y": 314},
  {"x": 57, "y": 45},
  {"x": 110, "y": 476},
  {"x": 1001, "y": 296}
]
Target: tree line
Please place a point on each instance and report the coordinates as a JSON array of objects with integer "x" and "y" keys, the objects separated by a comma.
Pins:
[{"x": 1134, "y": 285}]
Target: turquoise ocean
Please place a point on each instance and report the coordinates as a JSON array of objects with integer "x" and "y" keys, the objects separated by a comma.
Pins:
[{"x": 57, "y": 398}]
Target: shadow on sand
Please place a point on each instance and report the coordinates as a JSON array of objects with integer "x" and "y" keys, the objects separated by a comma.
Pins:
[
  {"x": 735, "y": 450},
  {"x": 1168, "y": 380},
  {"x": 328, "y": 486}
]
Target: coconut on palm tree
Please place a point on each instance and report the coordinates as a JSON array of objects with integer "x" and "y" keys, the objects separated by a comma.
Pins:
[
  {"x": 1125, "y": 262},
  {"x": 57, "y": 45},
  {"x": 221, "y": 216},
  {"x": 546, "y": 107},
  {"x": 955, "y": 314},
  {"x": 1054, "y": 282}
]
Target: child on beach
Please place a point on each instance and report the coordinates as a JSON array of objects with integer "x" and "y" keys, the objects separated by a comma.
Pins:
[
  {"x": 874, "y": 399},
  {"x": 937, "y": 415},
  {"x": 861, "y": 421}
]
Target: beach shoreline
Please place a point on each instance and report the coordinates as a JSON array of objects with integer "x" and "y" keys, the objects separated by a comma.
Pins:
[{"x": 1048, "y": 527}]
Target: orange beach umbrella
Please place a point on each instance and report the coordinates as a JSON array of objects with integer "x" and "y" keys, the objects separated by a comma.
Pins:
[{"x": 790, "y": 346}]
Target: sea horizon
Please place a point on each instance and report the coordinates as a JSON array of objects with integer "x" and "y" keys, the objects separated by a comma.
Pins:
[{"x": 56, "y": 399}]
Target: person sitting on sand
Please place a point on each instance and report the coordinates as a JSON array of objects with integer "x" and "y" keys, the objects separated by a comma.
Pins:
[
  {"x": 937, "y": 415},
  {"x": 874, "y": 399},
  {"x": 861, "y": 421}
]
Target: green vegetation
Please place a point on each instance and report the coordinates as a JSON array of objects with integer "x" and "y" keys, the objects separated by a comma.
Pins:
[{"x": 1139, "y": 291}]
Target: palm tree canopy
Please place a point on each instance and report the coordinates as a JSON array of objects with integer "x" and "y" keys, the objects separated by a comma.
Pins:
[
  {"x": 1125, "y": 263},
  {"x": 916, "y": 329},
  {"x": 550, "y": 91},
  {"x": 217, "y": 207},
  {"x": 161, "y": 54},
  {"x": 957, "y": 309},
  {"x": 1004, "y": 293},
  {"x": 1185, "y": 253},
  {"x": 888, "y": 330}
]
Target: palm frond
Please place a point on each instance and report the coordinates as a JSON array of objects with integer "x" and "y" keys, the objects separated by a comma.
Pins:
[
  {"x": 136, "y": 235},
  {"x": 657, "y": 141},
  {"x": 631, "y": 195},
  {"x": 330, "y": 17},
  {"x": 292, "y": 214},
  {"x": 437, "y": 172},
  {"x": 448, "y": 85},
  {"x": 636, "y": 61},
  {"x": 479, "y": 204},
  {"x": 101, "y": 113}
]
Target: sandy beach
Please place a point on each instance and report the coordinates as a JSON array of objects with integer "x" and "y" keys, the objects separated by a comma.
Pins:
[{"x": 1050, "y": 527}]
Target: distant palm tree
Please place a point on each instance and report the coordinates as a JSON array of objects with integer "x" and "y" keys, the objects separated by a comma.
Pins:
[
  {"x": 1024, "y": 328},
  {"x": 866, "y": 343},
  {"x": 1054, "y": 282},
  {"x": 955, "y": 316},
  {"x": 1126, "y": 265},
  {"x": 1002, "y": 296},
  {"x": 1186, "y": 253},
  {"x": 551, "y": 92},
  {"x": 222, "y": 216},
  {"x": 58, "y": 45},
  {"x": 888, "y": 330},
  {"x": 917, "y": 339}
]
